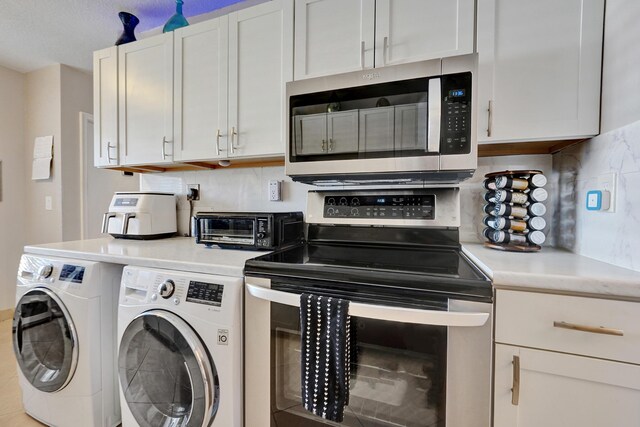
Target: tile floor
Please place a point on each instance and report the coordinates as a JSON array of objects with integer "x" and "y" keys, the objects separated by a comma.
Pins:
[{"x": 11, "y": 412}]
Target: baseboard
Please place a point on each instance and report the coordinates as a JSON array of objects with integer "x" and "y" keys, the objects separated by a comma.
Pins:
[{"x": 6, "y": 314}]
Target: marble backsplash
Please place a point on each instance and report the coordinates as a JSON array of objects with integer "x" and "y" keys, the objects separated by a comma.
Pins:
[
  {"x": 246, "y": 190},
  {"x": 609, "y": 237}
]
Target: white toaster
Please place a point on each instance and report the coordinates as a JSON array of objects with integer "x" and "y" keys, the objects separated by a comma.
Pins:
[{"x": 138, "y": 215}]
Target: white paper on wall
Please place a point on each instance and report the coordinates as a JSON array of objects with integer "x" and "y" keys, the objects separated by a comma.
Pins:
[{"x": 42, "y": 155}]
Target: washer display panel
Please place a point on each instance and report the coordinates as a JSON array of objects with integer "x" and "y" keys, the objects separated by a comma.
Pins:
[
  {"x": 166, "y": 374},
  {"x": 44, "y": 340}
]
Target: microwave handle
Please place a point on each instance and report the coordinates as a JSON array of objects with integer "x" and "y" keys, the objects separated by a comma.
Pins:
[
  {"x": 381, "y": 312},
  {"x": 435, "y": 115}
]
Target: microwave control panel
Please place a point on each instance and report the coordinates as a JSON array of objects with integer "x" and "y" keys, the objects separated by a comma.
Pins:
[
  {"x": 456, "y": 114},
  {"x": 380, "y": 206}
]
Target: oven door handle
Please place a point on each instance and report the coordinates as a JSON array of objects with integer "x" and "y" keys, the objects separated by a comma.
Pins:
[{"x": 382, "y": 312}]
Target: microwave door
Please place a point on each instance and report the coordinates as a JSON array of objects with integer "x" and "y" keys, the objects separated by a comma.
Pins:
[{"x": 435, "y": 115}]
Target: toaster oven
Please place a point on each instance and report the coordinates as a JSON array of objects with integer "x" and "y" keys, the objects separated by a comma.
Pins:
[{"x": 249, "y": 230}]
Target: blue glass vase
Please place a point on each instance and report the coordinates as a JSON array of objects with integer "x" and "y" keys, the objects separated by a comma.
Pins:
[
  {"x": 129, "y": 22},
  {"x": 177, "y": 20}
]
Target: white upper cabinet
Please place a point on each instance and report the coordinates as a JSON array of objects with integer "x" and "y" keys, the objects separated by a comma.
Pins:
[
  {"x": 260, "y": 63},
  {"x": 337, "y": 36},
  {"x": 333, "y": 36},
  {"x": 200, "y": 88},
  {"x": 146, "y": 101},
  {"x": 539, "y": 68},
  {"x": 416, "y": 30},
  {"x": 105, "y": 107}
]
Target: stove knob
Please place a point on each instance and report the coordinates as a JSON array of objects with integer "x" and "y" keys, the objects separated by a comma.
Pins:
[
  {"x": 355, "y": 211},
  {"x": 330, "y": 211},
  {"x": 331, "y": 201},
  {"x": 355, "y": 202},
  {"x": 167, "y": 288},
  {"x": 343, "y": 201},
  {"x": 261, "y": 235},
  {"x": 45, "y": 271}
]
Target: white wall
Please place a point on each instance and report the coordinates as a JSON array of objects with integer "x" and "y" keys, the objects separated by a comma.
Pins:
[
  {"x": 43, "y": 109},
  {"x": 609, "y": 237},
  {"x": 12, "y": 206},
  {"x": 621, "y": 64}
]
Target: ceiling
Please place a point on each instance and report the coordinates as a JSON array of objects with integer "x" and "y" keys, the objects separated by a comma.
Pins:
[{"x": 37, "y": 33}]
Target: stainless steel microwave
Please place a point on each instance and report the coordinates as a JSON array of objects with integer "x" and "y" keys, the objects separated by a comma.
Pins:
[{"x": 402, "y": 124}]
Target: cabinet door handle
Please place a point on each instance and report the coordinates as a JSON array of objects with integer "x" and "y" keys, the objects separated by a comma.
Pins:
[
  {"x": 233, "y": 139},
  {"x": 362, "y": 54},
  {"x": 515, "y": 391},
  {"x": 164, "y": 150},
  {"x": 591, "y": 329},
  {"x": 323, "y": 145},
  {"x": 330, "y": 144},
  {"x": 490, "y": 120},
  {"x": 385, "y": 47},
  {"x": 218, "y": 135},
  {"x": 109, "y": 148}
]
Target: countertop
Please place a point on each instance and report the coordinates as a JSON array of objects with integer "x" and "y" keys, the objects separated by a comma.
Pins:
[
  {"x": 554, "y": 270},
  {"x": 177, "y": 253}
]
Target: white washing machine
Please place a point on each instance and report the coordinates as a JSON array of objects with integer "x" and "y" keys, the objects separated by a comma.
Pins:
[
  {"x": 64, "y": 339},
  {"x": 180, "y": 349}
]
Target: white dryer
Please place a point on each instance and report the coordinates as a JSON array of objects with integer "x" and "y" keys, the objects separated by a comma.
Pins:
[
  {"x": 64, "y": 336},
  {"x": 180, "y": 349}
]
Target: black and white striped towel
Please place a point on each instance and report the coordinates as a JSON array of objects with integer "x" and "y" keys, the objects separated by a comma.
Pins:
[{"x": 326, "y": 355}]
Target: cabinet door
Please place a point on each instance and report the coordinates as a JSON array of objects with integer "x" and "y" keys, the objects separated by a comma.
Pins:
[
  {"x": 342, "y": 132},
  {"x": 260, "y": 63},
  {"x": 146, "y": 101},
  {"x": 416, "y": 30},
  {"x": 560, "y": 390},
  {"x": 311, "y": 134},
  {"x": 200, "y": 113},
  {"x": 539, "y": 67},
  {"x": 105, "y": 107},
  {"x": 333, "y": 36},
  {"x": 377, "y": 129}
]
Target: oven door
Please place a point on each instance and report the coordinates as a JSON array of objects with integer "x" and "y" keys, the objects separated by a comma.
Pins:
[
  {"x": 414, "y": 367},
  {"x": 229, "y": 230}
]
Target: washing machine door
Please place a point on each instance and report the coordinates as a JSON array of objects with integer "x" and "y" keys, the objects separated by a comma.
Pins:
[
  {"x": 166, "y": 374},
  {"x": 44, "y": 340}
]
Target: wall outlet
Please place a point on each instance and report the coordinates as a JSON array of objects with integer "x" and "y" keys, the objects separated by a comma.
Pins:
[
  {"x": 275, "y": 191},
  {"x": 193, "y": 191}
]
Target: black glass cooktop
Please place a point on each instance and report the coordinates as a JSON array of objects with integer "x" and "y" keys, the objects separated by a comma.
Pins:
[{"x": 407, "y": 271}]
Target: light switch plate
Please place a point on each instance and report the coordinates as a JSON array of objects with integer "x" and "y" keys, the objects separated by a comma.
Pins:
[{"x": 608, "y": 183}]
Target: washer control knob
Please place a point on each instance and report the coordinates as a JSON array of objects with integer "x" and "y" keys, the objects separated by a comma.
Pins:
[
  {"x": 167, "y": 288},
  {"x": 45, "y": 271},
  {"x": 176, "y": 301}
]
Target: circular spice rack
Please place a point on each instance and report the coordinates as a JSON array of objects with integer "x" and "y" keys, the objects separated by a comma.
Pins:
[{"x": 494, "y": 217}]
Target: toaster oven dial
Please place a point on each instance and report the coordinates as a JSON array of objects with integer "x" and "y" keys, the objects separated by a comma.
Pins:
[{"x": 167, "y": 288}]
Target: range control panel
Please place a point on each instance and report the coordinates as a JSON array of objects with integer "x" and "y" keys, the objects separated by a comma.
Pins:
[
  {"x": 205, "y": 293},
  {"x": 380, "y": 206}
]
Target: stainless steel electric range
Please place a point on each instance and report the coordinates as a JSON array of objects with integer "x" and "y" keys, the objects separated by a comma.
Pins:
[{"x": 423, "y": 313}]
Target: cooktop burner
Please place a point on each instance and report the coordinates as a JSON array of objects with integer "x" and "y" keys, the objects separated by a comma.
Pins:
[{"x": 409, "y": 258}]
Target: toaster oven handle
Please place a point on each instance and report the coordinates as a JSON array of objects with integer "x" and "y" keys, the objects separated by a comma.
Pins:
[
  {"x": 435, "y": 115},
  {"x": 105, "y": 221},
  {"x": 382, "y": 312},
  {"x": 125, "y": 222}
]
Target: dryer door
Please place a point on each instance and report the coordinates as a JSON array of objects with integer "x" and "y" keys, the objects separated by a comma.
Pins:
[
  {"x": 44, "y": 340},
  {"x": 166, "y": 373}
]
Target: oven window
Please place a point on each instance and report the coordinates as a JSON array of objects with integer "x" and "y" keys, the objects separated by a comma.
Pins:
[
  {"x": 234, "y": 229},
  {"x": 398, "y": 377}
]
